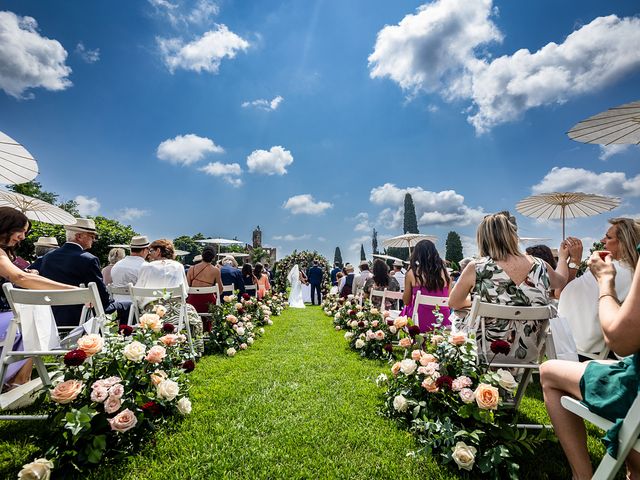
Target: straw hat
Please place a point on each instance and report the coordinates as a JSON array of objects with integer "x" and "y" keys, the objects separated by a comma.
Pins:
[
  {"x": 363, "y": 263},
  {"x": 197, "y": 259},
  {"x": 139, "y": 241},
  {"x": 82, "y": 225},
  {"x": 47, "y": 242}
]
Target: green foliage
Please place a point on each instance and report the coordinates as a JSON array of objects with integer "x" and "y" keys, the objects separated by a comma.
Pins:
[
  {"x": 595, "y": 247},
  {"x": 363, "y": 255},
  {"x": 374, "y": 242},
  {"x": 304, "y": 260},
  {"x": 410, "y": 220},
  {"x": 398, "y": 252},
  {"x": 109, "y": 232},
  {"x": 337, "y": 256},
  {"x": 34, "y": 189},
  {"x": 454, "y": 247},
  {"x": 189, "y": 244},
  {"x": 258, "y": 254}
]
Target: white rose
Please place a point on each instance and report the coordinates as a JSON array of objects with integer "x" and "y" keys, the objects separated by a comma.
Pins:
[
  {"x": 506, "y": 380},
  {"x": 359, "y": 315},
  {"x": 348, "y": 335},
  {"x": 467, "y": 395},
  {"x": 184, "y": 406},
  {"x": 135, "y": 351},
  {"x": 250, "y": 340},
  {"x": 400, "y": 403},
  {"x": 231, "y": 351},
  {"x": 393, "y": 329},
  {"x": 464, "y": 455},
  {"x": 359, "y": 343},
  {"x": 337, "y": 316},
  {"x": 382, "y": 379},
  {"x": 261, "y": 331},
  {"x": 408, "y": 366},
  {"x": 39, "y": 469},
  {"x": 168, "y": 390},
  {"x": 240, "y": 331}
]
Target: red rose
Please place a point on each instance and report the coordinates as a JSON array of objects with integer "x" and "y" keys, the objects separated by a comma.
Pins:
[
  {"x": 444, "y": 381},
  {"x": 361, "y": 324},
  {"x": 388, "y": 347},
  {"x": 240, "y": 310},
  {"x": 500, "y": 346},
  {"x": 168, "y": 327},
  {"x": 189, "y": 366},
  {"x": 246, "y": 296},
  {"x": 125, "y": 330},
  {"x": 151, "y": 408},
  {"x": 389, "y": 322},
  {"x": 414, "y": 330},
  {"x": 75, "y": 358},
  {"x": 352, "y": 313}
]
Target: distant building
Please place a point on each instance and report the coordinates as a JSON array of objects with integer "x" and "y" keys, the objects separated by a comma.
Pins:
[{"x": 270, "y": 252}]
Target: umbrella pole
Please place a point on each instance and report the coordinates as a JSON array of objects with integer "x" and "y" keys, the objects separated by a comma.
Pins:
[{"x": 563, "y": 215}]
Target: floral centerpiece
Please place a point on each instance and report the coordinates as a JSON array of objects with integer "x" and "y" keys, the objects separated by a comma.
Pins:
[
  {"x": 115, "y": 390},
  {"x": 454, "y": 404}
]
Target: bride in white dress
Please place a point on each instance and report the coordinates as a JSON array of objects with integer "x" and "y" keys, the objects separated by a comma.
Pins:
[{"x": 295, "y": 296}]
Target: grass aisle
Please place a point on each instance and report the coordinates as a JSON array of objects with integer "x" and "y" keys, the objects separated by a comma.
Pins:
[{"x": 298, "y": 404}]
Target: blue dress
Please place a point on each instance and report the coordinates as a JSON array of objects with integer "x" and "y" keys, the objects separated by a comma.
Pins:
[{"x": 12, "y": 368}]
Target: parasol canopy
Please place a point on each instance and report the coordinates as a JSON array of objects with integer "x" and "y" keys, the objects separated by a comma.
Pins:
[
  {"x": 387, "y": 257},
  {"x": 407, "y": 240},
  {"x": 220, "y": 241},
  {"x": 565, "y": 205},
  {"x": 233, "y": 254},
  {"x": 36, "y": 209},
  {"x": 17, "y": 165},
  {"x": 618, "y": 125}
]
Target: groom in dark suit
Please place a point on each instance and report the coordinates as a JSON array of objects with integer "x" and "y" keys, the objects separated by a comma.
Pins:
[
  {"x": 72, "y": 265},
  {"x": 314, "y": 275}
]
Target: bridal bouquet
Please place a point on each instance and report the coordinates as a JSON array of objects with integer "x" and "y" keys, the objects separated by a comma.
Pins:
[
  {"x": 115, "y": 390},
  {"x": 454, "y": 404}
]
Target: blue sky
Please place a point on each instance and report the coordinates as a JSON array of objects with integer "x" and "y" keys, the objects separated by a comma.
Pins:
[{"x": 313, "y": 118}]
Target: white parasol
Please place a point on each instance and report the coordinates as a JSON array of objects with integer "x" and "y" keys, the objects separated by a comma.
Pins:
[
  {"x": 618, "y": 125},
  {"x": 566, "y": 205},
  {"x": 387, "y": 257},
  {"x": 220, "y": 241},
  {"x": 407, "y": 240},
  {"x": 17, "y": 165},
  {"x": 233, "y": 254},
  {"x": 36, "y": 209}
]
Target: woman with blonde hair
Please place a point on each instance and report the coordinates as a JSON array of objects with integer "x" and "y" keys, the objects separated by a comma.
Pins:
[
  {"x": 504, "y": 275},
  {"x": 115, "y": 255}
]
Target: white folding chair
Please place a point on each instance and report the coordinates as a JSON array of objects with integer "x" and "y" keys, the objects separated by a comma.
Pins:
[
  {"x": 428, "y": 300},
  {"x": 396, "y": 297},
  {"x": 481, "y": 310},
  {"x": 227, "y": 290},
  {"x": 377, "y": 293},
  {"x": 627, "y": 436},
  {"x": 125, "y": 291},
  {"x": 17, "y": 298},
  {"x": 251, "y": 290},
  {"x": 145, "y": 294}
]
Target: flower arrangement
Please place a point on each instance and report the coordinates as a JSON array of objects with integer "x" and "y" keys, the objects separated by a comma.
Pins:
[
  {"x": 232, "y": 328},
  {"x": 304, "y": 260},
  {"x": 331, "y": 303},
  {"x": 454, "y": 404},
  {"x": 115, "y": 390}
]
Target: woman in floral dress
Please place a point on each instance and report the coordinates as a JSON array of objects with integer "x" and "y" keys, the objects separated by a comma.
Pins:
[{"x": 505, "y": 276}]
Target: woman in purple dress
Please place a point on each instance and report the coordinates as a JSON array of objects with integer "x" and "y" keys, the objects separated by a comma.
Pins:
[
  {"x": 428, "y": 275},
  {"x": 14, "y": 227}
]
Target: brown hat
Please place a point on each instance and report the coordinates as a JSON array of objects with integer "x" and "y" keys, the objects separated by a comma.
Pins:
[{"x": 82, "y": 225}]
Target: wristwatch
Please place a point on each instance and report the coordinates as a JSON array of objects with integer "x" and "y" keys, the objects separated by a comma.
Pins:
[{"x": 573, "y": 265}]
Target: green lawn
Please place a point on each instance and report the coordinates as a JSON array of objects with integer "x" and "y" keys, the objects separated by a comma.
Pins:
[{"x": 298, "y": 404}]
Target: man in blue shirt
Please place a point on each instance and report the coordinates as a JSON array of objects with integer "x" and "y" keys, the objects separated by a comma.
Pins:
[
  {"x": 334, "y": 272},
  {"x": 231, "y": 275}
]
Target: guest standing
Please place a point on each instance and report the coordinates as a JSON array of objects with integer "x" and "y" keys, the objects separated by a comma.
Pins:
[
  {"x": 399, "y": 273},
  {"x": 334, "y": 274},
  {"x": 315, "y": 275},
  {"x": 346, "y": 284}
]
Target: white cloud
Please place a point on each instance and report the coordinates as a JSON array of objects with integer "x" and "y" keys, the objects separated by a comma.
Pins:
[
  {"x": 128, "y": 214},
  {"x": 565, "y": 179},
  {"x": 89, "y": 56},
  {"x": 469, "y": 246},
  {"x": 200, "y": 14},
  {"x": 356, "y": 242},
  {"x": 607, "y": 151},
  {"x": 230, "y": 172},
  {"x": 264, "y": 104},
  {"x": 29, "y": 60},
  {"x": 272, "y": 162},
  {"x": 186, "y": 149},
  {"x": 441, "y": 49},
  {"x": 432, "y": 208},
  {"x": 292, "y": 238},
  {"x": 305, "y": 204},
  {"x": 87, "y": 205},
  {"x": 362, "y": 222},
  {"x": 204, "y": 53}
]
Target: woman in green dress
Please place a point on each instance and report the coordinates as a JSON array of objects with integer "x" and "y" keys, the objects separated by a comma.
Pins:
[{"x": 607, "y": 388}]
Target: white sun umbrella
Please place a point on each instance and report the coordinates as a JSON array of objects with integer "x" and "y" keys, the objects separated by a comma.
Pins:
[
  {"x": 36, "y": 209},
  {"x": 407, "y": 240},
  {"x": 565, "y": 205},
  {"x": 181, "y": 253},
  {"x": 120, "y": 245},
  {"x": 233, "y": 254},
  {"x": 618, "y": 125},
  {"x": 220, "y": 241},
  {"x": 17, "y": 165},
  {"x": 387, "y": 257}
]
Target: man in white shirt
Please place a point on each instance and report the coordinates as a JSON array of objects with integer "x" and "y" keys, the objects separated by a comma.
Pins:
[
  {"x": 126, "y": 271},
  {"x": 361, "y": 278},
  {"x": 399, "y": 273}
]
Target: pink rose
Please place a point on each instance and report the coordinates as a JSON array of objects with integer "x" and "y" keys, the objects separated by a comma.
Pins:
[
  {"x": 459, "y": 338},
  {"x": 427, "y": 358},
  {"x": 429, "y": 385},
  {"x": 169, "y": 340},
  {"x": 66, "y": 392},
  {"x": 437, "y": 339},
  {"x": 243, "y": 346},
  {"x": 379, "y": 335},
  {"x": 460, "y": 383},
  {"x": 416, "y": 354},
  {"x": 156, "y": 354},
  {"x": 405, "y": 342},
  {"x": 487, "y": 396},
  {"x": 99, "y": 394},
  {"x": 124, "y": 421},
  {"x": 112, "y": 405},
  {"x": 116, "y": 391},
  {"x": 90, "y": 344},
  {"x": 396, "y": 368},
  {"x": 150, "y": 321},
  {"x": 158, "y": 377},
  {"x": 385, "y": 314},
  {"x": 467, "y": 395},
  {"x": 111, "y": 381},
  {"x": 400, "y": 322},
  {"x": 232, "y": 319},
  {"x": 375, "y": 323}
]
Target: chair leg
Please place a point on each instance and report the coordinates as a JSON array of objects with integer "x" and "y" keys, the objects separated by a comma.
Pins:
[
  {"x": 522, "y": 388},
  {"x": 42, "y": 371}
]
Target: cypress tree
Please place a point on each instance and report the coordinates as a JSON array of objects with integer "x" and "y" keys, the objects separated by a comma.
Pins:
[
  {"x": 454, "y": 247},
  {"x": 363, "y": 256},
  {"x": 337, "y": 257},
  {"x": 410, "y": 220},
  {"x": 374, "y": 242}
]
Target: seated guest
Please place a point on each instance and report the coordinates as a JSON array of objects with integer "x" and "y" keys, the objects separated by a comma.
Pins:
[
  {"x": 428, "y": 275},
  {"x": 399, "y": 273},
  {"x": 115, "y": 255},
  {"x": 44, "y": 245},
  {"x": 607, "y": 388},
  {"x": 262, "y": 280},
  {"x": 73, "y": 265},
  {"x": 503, "y": 275},
  {"x": 126, "y": 271},
  {"x": 204, "y": 274},
  {"x": 231, "y": 275},
  {"x": 380, "y": 280},
  {"x": 334, "y": 273},
  {"x": 346, "y": 283},
  {"x": 14, "y": 227},
  {"x": 360, "y": 279},
  {"x": 248, "y": 278},
  {"x": 164, "y": 272},
  {"x": 579, "y": 299},
  {"x": 334, "y": 289}
]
